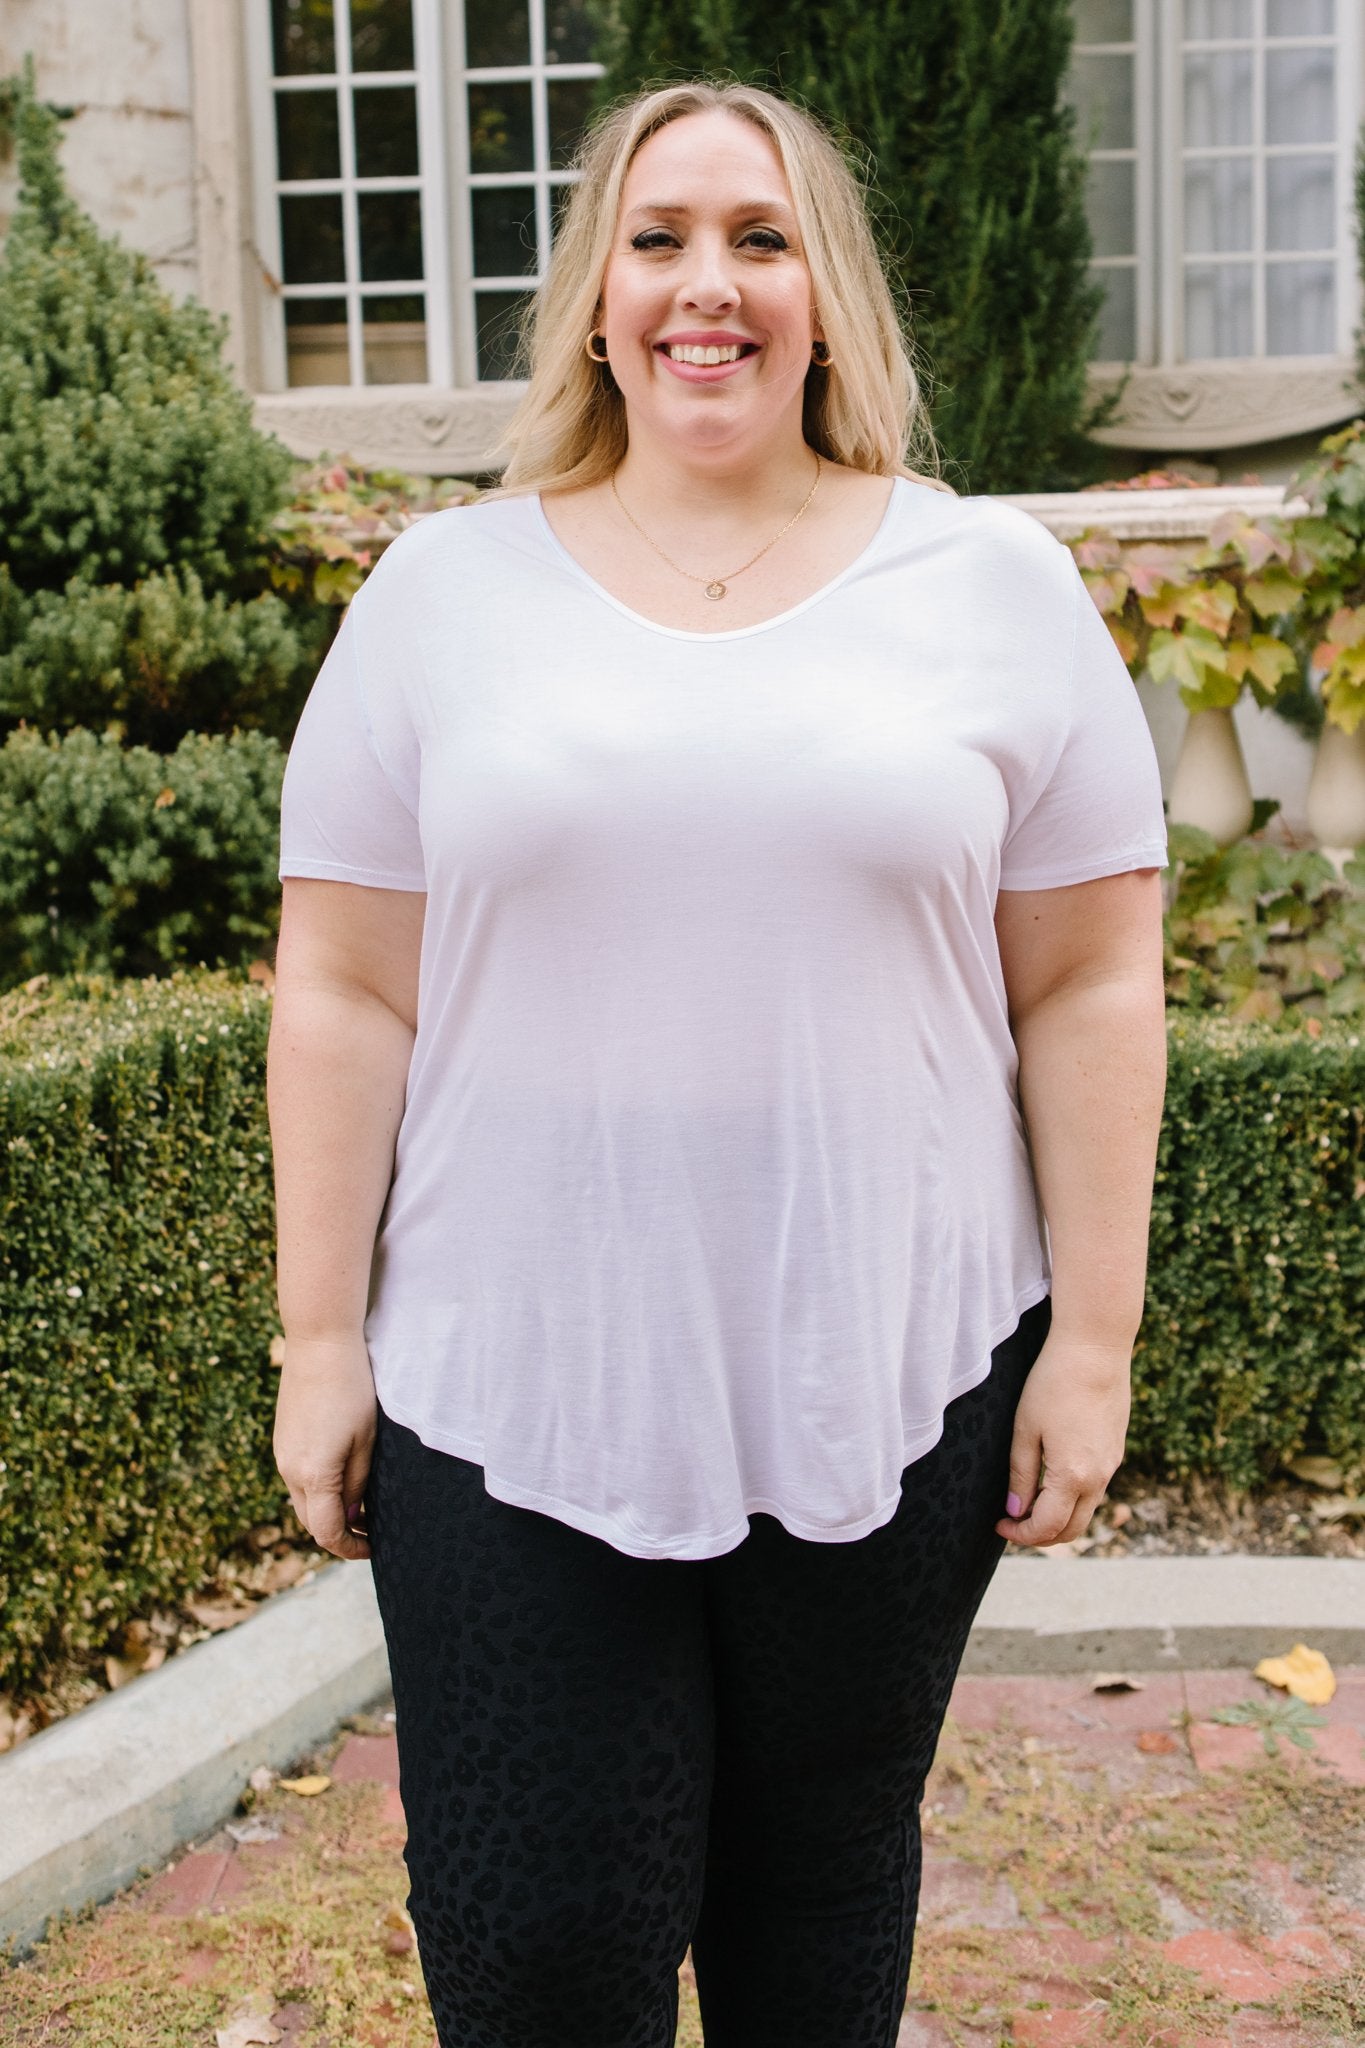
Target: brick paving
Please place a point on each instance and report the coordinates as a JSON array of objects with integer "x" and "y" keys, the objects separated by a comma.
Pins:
[{"x": 1147, "y": 1743}]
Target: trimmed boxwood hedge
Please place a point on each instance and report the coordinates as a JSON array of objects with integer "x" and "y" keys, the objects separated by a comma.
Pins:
[
  {"x": 137, "y": 1300},
  {"x": 138, "y": 1311}
]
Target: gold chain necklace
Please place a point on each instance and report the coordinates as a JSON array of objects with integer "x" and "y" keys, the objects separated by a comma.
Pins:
[{"x": 716, "y": 585}]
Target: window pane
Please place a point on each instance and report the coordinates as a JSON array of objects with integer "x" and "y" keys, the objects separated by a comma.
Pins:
[
  {"x": 1116, "y": 340},
  {"x": 390, "y": 234},
  {"x": 1299, "y": 17},
  {"x": 1111, "y": 207},
  {"x": 1218, "y": 99},
  {"x": 385, "y": 131},
  {"x": 500, "y": 128},
  {"x": 395, "y": 339},
  {"x": 381, "y": 35},
  {"x": 1103, "y": 21},
  {"x": 310, "y": 233},
  {"x": 301, "y": 35},
  {"x": 1218, "y": 204},
  {"x": 1101, "y": 90},
  {"x": 315, "y": 341},
  {"x": 1218, "y": 310},
  {"x": 1300, "y": 202},
  {"x": 569, "y": 33},
  {"x": 1300, "y": 309},
  {"x": 1298, "y": 92},
  {"x": 307, "y": 140},
  {"x": 1211, "y": 20},
  {"x": 569, "y": 100},
  {"x": 495, "y": 315},
  {"x": 496, "y": 32},
  {"x": 504, "y": 230}
]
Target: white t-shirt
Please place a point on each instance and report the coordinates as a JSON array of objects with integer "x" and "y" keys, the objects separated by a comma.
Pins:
[{"x": 712, "y": 1188}]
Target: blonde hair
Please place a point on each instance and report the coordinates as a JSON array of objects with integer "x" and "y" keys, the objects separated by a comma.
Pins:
[{"x": 569, "y": 429}]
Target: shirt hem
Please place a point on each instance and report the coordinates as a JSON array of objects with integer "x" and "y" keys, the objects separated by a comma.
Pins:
[
  {"x": 338, "y": 871},
  {"x": 690, "y": 1548},
  {"x": 1155, "y": 854}
]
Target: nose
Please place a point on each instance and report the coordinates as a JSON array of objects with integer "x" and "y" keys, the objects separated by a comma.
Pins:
[{"x": 710, "y": 283}]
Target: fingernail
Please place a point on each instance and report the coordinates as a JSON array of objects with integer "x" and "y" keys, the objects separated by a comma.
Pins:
[
  {"x": 353, "y": 1513},
  {"x": 1014, "y": 1507}
]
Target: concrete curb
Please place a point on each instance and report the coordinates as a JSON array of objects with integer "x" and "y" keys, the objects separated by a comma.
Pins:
[
  {"x": 1057, "y": 1615},
  {"x": 93, "y": 1800}
]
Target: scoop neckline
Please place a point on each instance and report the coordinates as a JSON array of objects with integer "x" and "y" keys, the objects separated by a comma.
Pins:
[{"x": 864, "y": 554}]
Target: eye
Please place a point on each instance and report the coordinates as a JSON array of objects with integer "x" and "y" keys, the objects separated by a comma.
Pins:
[
  {"x": 651, "y": 238},
  {"x": 768, "y": 238}
]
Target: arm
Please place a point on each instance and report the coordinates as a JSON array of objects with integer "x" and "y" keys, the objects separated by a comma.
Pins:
[
  {"x": 1083, "y": 976},
  {"x": 341, "y": 1037}
]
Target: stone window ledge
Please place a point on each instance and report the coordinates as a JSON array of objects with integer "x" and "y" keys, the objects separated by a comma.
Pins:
[
  {"x": 1192, "y": 406},
  {"x": 431, "y": 430}
]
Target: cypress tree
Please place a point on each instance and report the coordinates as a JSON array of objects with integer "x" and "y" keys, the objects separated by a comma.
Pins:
[{"x": 952, "y": 111}]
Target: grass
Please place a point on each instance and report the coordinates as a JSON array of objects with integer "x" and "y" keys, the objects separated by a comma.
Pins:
[
  {"x": 1101, "y": 1860},
  {"x": 311, "y": 1934}
]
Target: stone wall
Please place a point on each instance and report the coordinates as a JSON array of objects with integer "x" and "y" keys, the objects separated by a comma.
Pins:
[{"x": 124, "y": 67}]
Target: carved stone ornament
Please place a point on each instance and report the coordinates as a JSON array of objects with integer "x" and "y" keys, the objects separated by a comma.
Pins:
[
  {"x": 1228, "y": 405},
  {"x": 429, "y": 431}
]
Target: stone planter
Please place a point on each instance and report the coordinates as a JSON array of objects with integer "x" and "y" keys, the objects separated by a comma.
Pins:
[
  {"x": 1336, "y": 793},
  {"x": 1210, "y": 787}
]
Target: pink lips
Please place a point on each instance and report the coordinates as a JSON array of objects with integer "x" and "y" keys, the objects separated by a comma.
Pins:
[{"x": 705, "y": 373}]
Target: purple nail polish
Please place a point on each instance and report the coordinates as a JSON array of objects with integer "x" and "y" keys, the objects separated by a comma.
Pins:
[{"x": 1014, "y": 1507}]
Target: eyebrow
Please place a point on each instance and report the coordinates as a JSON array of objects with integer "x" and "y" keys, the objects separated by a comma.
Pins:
[{"x": 747, "y": 206}]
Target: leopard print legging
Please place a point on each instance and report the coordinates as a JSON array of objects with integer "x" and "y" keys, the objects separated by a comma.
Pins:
[{"x": 604, "y": 1758}]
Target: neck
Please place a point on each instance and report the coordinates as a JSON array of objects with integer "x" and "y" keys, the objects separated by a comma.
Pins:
[{"x": 716, "y": 490}]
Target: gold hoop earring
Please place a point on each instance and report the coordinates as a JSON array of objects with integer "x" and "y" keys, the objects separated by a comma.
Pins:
[
  {"x": 821, "y": 356},
  {"x": 588, "y": 345}
]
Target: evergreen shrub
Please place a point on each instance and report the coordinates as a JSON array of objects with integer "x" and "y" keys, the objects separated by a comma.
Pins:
[
  {"x": 119, "y": 860},
  {"x": 136, "y": 493},
  {"x": 139, "y": 1327},
  {"x": 1252, "y": 1347},
  {"x": 137, "y": 1300}
]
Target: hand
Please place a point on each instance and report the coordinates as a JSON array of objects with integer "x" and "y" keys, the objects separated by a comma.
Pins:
[
  {"x": 324, "y": 1436},
  {"x": 1072, "y": 1420}
]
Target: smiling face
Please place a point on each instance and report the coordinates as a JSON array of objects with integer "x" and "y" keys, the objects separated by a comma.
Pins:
[{"x": 706, "y": 300}]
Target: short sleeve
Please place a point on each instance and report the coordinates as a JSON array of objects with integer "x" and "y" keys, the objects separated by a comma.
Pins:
[
  {"x": 344, "y": 815},
  {"x": 1097, "y": 810}
]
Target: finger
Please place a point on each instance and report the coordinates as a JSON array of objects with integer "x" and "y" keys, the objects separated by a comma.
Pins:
[
  {"x": 1050, "y": 1515},
  {"x": 1026, "y": 1456},
  {"x": 327, "y": 1526}
]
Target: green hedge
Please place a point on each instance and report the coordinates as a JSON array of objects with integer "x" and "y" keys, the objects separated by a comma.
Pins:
[
  {"x": 121, "y": 861},
  {"x": 1252, "y": 1346},
  {"x": 137, "y": 1302}
]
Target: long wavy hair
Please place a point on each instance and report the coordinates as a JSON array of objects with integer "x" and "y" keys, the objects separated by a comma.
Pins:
[{"x": 866, "y": 411}]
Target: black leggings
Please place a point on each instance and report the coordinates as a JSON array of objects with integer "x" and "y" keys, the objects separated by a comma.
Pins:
[{"x": 604, "y": 1758}]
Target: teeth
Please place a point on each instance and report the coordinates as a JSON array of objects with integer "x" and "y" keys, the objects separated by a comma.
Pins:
[{"x": 704, "y": 356}]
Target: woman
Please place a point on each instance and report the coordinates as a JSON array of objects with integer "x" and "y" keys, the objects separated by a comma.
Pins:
[{"x": 703, "y": 855}]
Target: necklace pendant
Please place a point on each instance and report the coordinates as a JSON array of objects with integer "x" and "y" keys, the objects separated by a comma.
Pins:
[{"x": 716, "y": 589}]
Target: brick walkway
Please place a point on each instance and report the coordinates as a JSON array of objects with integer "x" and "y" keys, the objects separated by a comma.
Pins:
[{"x": 1036, "y": 1780}]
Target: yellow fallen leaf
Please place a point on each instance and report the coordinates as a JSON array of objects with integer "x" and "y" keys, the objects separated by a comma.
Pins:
[
  {"x": 307, "y": 1788},
  {"x": 1305, "y": 1673},
  {"x": 1324, "y": 1472},
  {"x": 399, "y": 1934},
  {"x": 250, "y": 2023}
]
